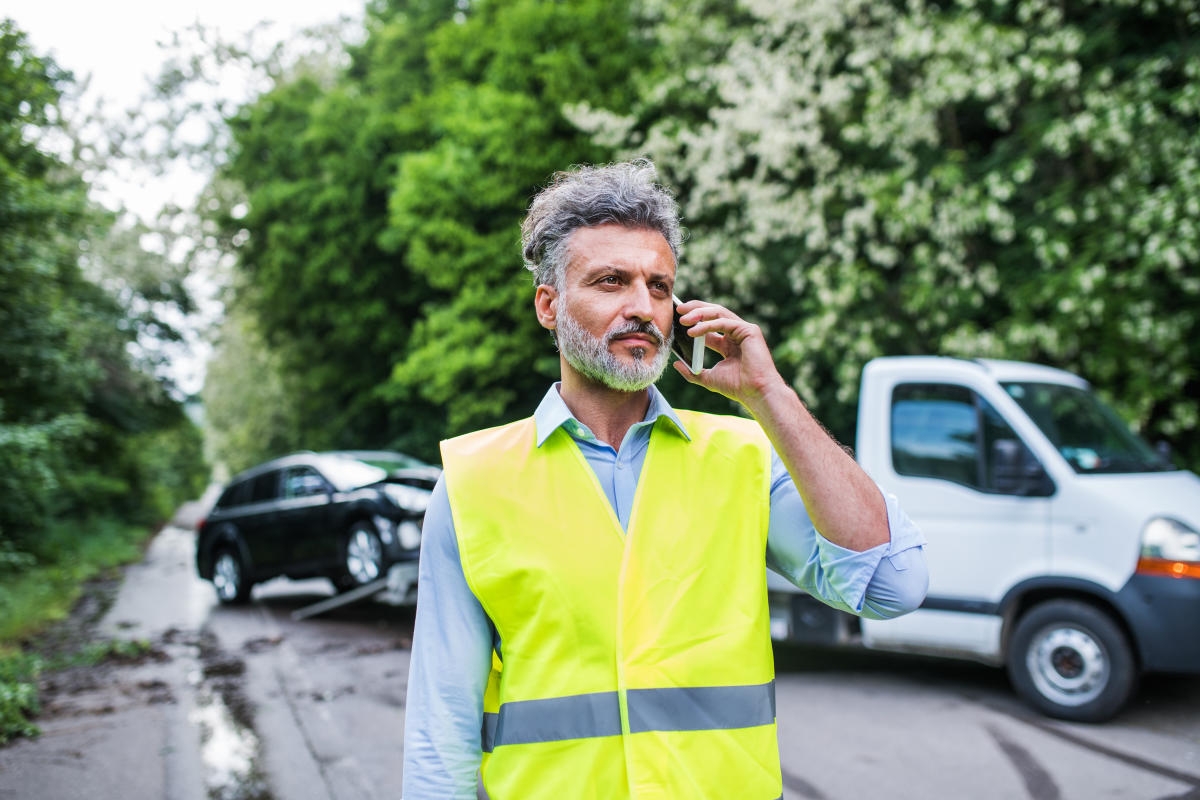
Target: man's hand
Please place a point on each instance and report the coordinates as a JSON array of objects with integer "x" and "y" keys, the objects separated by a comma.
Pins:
[
  {"x": 746, "y": 372},
  {"x": 844, "y": 504}
]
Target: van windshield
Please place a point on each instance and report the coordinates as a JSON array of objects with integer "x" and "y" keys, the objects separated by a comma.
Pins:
[{"x": 1090, "y": 436}]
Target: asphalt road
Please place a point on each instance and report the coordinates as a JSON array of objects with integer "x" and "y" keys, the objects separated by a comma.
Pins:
[{"x": 247, "y": 704}]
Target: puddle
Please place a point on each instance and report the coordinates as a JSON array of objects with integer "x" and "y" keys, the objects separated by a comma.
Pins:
[{"x": 229, "y": 746}]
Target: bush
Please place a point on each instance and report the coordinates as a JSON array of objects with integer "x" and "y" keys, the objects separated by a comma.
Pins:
[{"x": 18, "y": 695}]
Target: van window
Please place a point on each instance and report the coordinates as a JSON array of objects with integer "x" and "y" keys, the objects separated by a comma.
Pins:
[
  {"x": 265, "y": 487},
  {"x": 950, "y": 432},
  {"x": 1090, "y": 435}
]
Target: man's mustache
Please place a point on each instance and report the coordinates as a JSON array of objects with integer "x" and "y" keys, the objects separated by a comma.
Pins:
[{"x": 646, "y": 327}]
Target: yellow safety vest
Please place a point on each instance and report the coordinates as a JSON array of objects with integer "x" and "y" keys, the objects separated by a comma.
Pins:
[{"x": 631, "y": 664}]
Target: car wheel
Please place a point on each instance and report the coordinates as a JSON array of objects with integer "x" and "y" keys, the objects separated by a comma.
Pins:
[
  {"x": 229, "y": 577},
  {"x": 362, "y": 560},
  {"x": 1072, "y": 661}
]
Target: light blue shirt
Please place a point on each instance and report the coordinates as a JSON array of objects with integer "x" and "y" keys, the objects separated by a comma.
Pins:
[{"x": 453, "y": 637}]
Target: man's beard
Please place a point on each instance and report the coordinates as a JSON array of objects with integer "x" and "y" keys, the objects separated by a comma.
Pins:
[{"x": 591, "y": 357}]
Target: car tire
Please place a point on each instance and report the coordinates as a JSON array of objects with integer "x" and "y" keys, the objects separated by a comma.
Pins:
[
  {"x": 362, "y": 557},
  {"x": 1071, "y": 661},
  {"x": 230, "y": 577}
]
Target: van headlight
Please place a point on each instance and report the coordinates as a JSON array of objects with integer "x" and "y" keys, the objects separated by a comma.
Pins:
[{"x": 1170, "y": 547}]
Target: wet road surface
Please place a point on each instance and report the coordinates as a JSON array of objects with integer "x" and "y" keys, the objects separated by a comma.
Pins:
[{"x": 246, "y": 704}]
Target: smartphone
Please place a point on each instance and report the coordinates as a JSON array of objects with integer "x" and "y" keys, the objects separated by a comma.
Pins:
[{"x": 693, "y": 356}]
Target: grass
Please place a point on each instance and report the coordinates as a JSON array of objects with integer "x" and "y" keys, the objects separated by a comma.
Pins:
[{"x": 34, "y": 597}]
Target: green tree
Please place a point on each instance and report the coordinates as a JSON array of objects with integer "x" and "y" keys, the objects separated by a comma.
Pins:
[
  {"x": 500, "y": 79},
  {"x": 78, "y": 416},
  {"x": 314, "y": 158},
  {"x": 249, "y": 400},
  {"x": 974, "y": 178},
  {"x": 380, "y": 228}
]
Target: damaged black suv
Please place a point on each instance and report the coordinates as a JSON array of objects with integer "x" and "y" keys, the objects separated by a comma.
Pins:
[{"x": 347, "y": 516}]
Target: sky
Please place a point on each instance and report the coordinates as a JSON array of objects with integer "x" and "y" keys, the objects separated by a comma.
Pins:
[
  {"x": 116, "y": 44},
  {"x": 116, "y": 41}
]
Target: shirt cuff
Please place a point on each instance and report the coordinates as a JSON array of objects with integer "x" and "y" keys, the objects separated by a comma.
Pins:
[{"x": 849, "y": 571}]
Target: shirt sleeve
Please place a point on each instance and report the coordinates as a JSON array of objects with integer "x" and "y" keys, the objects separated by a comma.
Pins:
[
  {"x": 880, "y": 583},
  {"x": 448, "y": 672}
]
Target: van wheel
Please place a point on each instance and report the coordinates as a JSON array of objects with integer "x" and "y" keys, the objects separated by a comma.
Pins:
[
  {"x": 1071, "y": 661},
  {"x": 229, "y": 577},
  {"x": 362, "y": 560}
]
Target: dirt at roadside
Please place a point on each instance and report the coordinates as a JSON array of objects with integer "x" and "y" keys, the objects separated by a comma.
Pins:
[
  {"x": 76, "y": 684},
  {"x": 72, "y": 634},
  {"x": 137, "y": 709}
]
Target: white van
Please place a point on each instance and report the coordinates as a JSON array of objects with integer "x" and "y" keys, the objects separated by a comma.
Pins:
[{"x": 1061, "y": 545}]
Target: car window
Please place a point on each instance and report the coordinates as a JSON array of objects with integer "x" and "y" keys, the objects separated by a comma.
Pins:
[
  {"x": 302, "y": 482},
  {"x": 950, "y": 432},
  {"x": 235, "y": 494},
  {"x": 265, "y": 487},
  {"x": 226, "y": 498}
]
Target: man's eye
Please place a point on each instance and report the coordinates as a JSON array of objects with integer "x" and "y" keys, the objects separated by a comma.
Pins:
[{"x": 611, "y": 280}]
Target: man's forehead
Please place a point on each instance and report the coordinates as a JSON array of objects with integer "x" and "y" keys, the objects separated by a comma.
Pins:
[{"x": 619, "y": 245}]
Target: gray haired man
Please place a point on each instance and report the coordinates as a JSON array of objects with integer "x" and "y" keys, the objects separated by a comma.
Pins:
[{"x": 592, "y": 618}]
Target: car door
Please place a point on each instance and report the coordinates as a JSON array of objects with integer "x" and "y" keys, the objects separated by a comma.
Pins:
[
  {"x": 952, "y": 454},
  {"x": 302, "y": 530},
  {"x": 258, "y": 521}
]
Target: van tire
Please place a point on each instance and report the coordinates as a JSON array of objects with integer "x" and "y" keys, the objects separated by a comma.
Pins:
[{"x": 1071, "y": 661}]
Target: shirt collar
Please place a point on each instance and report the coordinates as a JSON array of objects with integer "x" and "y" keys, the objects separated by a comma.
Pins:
[{"x": 552, "y": 413}]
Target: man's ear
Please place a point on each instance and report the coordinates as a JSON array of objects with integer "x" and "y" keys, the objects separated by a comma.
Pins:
[{"x": 545, "y": 302}]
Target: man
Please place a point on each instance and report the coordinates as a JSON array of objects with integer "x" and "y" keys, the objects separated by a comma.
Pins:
[{"x": 592, "y": 618}]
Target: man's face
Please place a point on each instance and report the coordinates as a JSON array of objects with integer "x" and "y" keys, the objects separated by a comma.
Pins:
[{"x": 613, "y": 319}]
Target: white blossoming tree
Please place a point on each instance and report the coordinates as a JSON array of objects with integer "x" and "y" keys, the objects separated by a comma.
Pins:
[{"x": 1012, "y": 179}]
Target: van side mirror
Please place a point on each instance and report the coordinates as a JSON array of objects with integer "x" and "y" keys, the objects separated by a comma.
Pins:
[{"x": 1015, "y": 470}]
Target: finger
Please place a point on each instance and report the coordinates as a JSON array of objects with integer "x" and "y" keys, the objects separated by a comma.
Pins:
[
  {"x": 732, "y": 327},
  {"x": 686, "y": 371},
  {"x": 704, "y": 311},
  {"x": 691, "y": 305},
  {"x": 720, "y": 344}
]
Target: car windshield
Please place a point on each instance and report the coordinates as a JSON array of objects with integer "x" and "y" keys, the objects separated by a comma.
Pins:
[
  {"x": 390, "y": 461},
  {"x": 1090, "y": 436},
  {"x": 347, "y": 473}
]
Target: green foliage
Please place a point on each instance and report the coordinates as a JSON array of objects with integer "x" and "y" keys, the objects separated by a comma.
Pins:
[
  {"x": 98, "y": 652},
  {"x": 18, "y": 695},
  {"x": 64, "y": 556},
  {"x": 19, "y": 672},
  {"x": 379, "y": 247},
  {"x": 973, "y": 178},
  {"x": 67, "y": 553},
  {"x": 86, "y": 428},
  {"x": 249, "y": 401}
]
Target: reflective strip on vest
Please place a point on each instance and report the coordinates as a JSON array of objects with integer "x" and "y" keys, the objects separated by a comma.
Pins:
[{"x": 584, "y": 716}]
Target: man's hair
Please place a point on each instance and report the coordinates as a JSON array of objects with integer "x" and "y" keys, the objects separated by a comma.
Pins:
[{"x": 584, "y": 197}]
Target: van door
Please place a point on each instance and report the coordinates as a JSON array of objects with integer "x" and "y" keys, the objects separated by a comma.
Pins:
[{"x": 962, "y": 474}]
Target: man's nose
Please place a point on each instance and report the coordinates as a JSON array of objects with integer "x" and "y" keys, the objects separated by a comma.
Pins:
[{"x": 639, "y": 304}]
